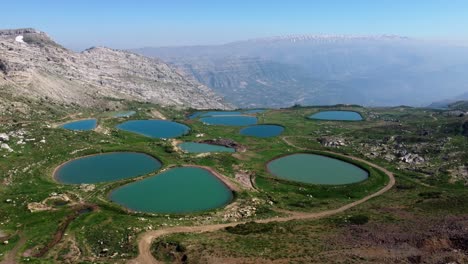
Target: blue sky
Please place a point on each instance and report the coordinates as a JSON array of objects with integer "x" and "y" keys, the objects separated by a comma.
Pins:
[{"x": 131, "y": 24}]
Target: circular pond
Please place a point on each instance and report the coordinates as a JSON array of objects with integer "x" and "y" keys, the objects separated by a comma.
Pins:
[
  {"x": 337, "y": 116},
  {"x": 316, "y": 169},
  {"x": 87, "y": 124},
  {"x": 155, "y": 128},
  {"x": 234, "y": 120},
  {"x": 262, "y": 131},
  {"x": 178, "y": 190},
  {"x": 106, "y": 167},
  {"x": 194, "y": 147}
]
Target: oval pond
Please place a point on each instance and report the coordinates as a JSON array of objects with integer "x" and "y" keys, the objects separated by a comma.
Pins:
[
  {"x": 87, "y": 124},
  {"x": 155, "y": 128},
  {"x": 106, "y": 167},
  {"x": 316, "y": 169},
  {"x": 337, "y": 116},
  {"x": 178, "y": 190},
  {"x": 234, "y": 120}
]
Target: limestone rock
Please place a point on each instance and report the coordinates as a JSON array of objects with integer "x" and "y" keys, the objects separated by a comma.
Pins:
[
  {"x": 6, "y": 147},
  {"x": 4, "y": 137},
  {"x": 39, "y": 68}
]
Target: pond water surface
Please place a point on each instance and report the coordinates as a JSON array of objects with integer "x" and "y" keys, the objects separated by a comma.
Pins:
[
  {"x": 178, "y": 190},
  {"x": 106, "y": 167},
  {"x": 316, "y": 169},
  {"x": 337, "y": 116},
  {"x": 155, "y": 128},
  {"x": 87, "y": 124},
  {"x": 239, "y": 120}
]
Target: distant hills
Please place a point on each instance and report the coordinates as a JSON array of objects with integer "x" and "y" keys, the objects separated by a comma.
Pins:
[
  {"x": 329, "y": 69},
  {"x": 450, "y": 103},
  {"x": 35, "y": 67}
]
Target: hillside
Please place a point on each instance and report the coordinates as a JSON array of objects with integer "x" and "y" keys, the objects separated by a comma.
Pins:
[
  {"x": 325, "y": 69},
  {"x": 32, "y": 65}
]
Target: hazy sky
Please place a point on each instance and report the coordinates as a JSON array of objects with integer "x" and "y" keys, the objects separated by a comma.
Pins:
[{"x": 130, "y": 24}]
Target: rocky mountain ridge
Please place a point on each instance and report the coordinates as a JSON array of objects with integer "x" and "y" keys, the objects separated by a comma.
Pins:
[{"x": 32, "y": 65}]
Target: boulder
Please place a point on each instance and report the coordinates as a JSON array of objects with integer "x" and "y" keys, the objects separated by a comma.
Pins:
[
  {"x": 4, "y": 137},
  {"x": 5, "y": 146}
]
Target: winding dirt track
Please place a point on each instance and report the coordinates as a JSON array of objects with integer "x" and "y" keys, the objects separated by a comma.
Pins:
[{"x": 146, "y": 239}]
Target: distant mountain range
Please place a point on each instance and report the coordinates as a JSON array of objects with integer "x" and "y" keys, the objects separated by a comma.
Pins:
[
  {"x": 452, "y": 102},
  {"x": 325, "y": 69},
  {"x": 32, "y": 65}
]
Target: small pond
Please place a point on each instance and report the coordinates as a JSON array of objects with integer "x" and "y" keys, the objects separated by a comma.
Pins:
[
  {"x": 81, "y": 125},
  {"x": 337, "y": 116},
  {"x": 234, "y": 120},
  {"x": 124, "y": 114}
]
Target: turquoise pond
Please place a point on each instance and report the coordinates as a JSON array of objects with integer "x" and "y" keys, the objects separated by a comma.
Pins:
[
  {"x": 213, "y": 113},
  {"x": 316, "y": 169},
  {"x": 194, "y": 147},
  {"x": 87, "y": 124},
  {"x": 225, "y": 113},
  {"x": 124, "y": 114},
  {"x": 155, "y": 128},
  {"x": 262, "y": 131},
  {"x": 178, "y": 190},
  {"x": 106, "y": 167},
  {"x": 337, "y": 116},
  {"x": 239, "y": 120}
]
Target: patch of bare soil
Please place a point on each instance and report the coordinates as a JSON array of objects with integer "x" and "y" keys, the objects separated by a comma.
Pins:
[
  {"x": 244, "y": 178},
  {"x": 156, "y": 114},
  {"x": 416, "y": 240}
]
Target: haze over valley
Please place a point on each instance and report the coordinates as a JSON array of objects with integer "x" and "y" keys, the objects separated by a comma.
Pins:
[{"x": 382, "y": 70}]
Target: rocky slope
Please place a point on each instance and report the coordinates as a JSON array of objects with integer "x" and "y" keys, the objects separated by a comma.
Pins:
[{"x": 33, "y": 66}]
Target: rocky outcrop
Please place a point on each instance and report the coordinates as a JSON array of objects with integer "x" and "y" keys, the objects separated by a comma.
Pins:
[
  {"x": 412, "y": 158},
  {"x": 332, "y": 142},
  {"x": 226, "y": 143},
  {"x": 34, "y": 66},
  {"x": 4, "y": 137}
]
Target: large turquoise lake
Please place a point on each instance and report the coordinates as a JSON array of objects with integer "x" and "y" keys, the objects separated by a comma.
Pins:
[
  {"x": 155, "y": 128},
  {"x": 337, "y": 116},
  {"x": 178, "y": 190},
  {"x": 87, "y": 124},
  {"x": 262, "y": 131},
  {"x": 234, "y": 120},
  {"x": 316, "y": 169},
  {"x": 106, "y": 167},
  {"x": 194, "y": 147}
]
